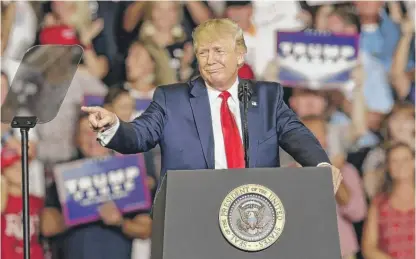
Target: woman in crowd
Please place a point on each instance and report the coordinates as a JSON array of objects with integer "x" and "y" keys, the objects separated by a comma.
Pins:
[
  {"x": 119, "y": 101},
  {"x": 389, "y": 231},
  {"x": 70, "y": 22},
  {"x": 129, "y": 19},
  {"x": 109, "y": 238},
  {"x": 141, "y": 72},
  {"x": 166, "y": 40},
  {"x": 399, "y": 126},
  {"x": 350, "y": 198}
]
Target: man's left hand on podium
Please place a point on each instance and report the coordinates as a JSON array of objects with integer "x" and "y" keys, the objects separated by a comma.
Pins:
[
  {"x": 336, "y": 175},
  {"x": 336, "y": 178}
]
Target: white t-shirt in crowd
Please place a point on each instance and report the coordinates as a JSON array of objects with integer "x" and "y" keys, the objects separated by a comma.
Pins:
[{"x": 23, "y": 31}]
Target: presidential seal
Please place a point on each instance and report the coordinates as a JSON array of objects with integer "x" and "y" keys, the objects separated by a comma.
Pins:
[{"x": 252, "y": 217}]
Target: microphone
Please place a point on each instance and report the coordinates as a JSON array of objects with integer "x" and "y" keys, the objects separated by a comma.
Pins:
[{"x": 244, "y": 94}]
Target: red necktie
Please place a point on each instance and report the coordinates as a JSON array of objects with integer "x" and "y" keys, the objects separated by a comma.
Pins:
[{"x": 232, "y": 141}]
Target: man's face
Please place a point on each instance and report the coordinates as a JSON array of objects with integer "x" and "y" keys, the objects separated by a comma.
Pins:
[
  {"x": 123, "y": 107},
  {"x": 368, "y": 8},
  {"x": 308, "y": 104},
  {"x": 241, "y": 15},
  {"x": 336, "y": 24},
  {"x": 165, "y": 15},
  {"x": 218, "y": 62},
  {"x": 87, "y": 142},
  {"x": 139, "y": 63}
]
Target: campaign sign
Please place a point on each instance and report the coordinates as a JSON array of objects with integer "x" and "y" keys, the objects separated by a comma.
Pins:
[
  {"x": 316, "y": 59},
  {"x": 93, "y": 100},
  {"x": 85, "y": 184},
  {"x": 141, "y": 106}
]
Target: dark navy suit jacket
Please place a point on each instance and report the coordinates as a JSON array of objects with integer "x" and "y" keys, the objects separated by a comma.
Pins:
[{"x": 179, "y": 120}]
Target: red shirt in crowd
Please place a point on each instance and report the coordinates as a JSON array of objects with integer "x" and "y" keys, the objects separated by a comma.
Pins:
[
  {"x": 396, "y": 229},
  {"x": 12, "y": 228}
]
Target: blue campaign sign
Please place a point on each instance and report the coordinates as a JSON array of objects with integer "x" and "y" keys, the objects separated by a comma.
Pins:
[
  {"x": 93, "y": 100},
  {"x": 141, "y": 106},
  {"x": 316, "y": 59},
  {"x": 84, "y": 185}
]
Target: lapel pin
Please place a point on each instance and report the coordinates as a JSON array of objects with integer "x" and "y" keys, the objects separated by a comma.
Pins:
[{"x": 254, "y": 103}]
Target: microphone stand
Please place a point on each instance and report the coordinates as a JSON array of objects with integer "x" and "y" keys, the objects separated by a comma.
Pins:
[
  {"x": 246, "y": 98},
  {"x": 25, "y": 124}
]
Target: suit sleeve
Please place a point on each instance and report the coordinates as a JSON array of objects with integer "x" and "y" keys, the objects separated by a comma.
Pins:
[
  {"x": 144, "y": 132},
  {"x": 297, "y": 140}
]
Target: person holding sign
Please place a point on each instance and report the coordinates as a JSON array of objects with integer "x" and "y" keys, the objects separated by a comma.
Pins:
[
  {"x": 198, "y": 124},
  {"x": 111, "y": 236},
  {"x": 12, "y": 209}
]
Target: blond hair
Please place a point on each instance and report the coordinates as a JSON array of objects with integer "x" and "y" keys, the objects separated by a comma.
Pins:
[
  {"x": 215, "y": 29},
  {"x": 147, "y": 29},
  {"x": 82, "y": 16}
]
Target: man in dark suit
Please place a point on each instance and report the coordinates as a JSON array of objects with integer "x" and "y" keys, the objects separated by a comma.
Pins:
[{"x": 198, "y": 124}]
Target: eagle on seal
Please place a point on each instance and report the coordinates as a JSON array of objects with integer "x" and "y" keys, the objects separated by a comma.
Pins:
[{"x": 251, "y": 219}]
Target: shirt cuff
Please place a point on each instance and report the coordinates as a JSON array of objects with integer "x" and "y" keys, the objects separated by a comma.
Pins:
[
  {"x": 324, "y": 164},
  {"x": 105, "y": 137}
]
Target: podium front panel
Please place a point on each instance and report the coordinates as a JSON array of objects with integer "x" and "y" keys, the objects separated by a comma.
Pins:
[{"x": 193, "y": 200}]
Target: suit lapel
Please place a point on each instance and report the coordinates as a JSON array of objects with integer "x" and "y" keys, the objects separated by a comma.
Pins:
[{"x": 202, "y": 115}]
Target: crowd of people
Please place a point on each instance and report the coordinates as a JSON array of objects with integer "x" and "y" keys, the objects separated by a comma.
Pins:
[{"x": 132, "y": 47}]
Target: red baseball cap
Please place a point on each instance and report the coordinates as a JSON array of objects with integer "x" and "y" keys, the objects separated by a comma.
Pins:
[
  {"x": 8, "y": 157},
  {"x": 59, "y": 34}
]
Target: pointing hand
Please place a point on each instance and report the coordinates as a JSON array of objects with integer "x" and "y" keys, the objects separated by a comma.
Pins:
[{"x": 99, "y": 118}]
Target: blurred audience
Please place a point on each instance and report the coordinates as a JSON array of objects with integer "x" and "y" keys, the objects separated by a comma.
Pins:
[
  {"x": 399, "y": 127},
  {"x": 350, "y": 198},
  {"x": 389, "y": 230},
  {"x": 70, "y": 22},
  {"x": 142, "y": 73},
  {"x": 109, "y": 238},
  {"x": 403, "y": 69},
  {"x": 166, "y": 40},
  {"x": 18, "y": 34},
  {"x": 11, "y": 210}
]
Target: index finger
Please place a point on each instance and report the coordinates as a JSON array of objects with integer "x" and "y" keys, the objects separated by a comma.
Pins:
[{"x": 91, "y": 109}]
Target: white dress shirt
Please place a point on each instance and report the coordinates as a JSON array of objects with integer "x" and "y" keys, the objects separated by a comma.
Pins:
[{"x": 215, "y": 105}]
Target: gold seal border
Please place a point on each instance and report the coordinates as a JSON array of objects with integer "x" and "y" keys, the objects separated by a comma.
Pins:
[{"x": 273, "y": 199}]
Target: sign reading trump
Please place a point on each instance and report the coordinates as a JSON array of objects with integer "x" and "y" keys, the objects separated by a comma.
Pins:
[
  {"x": 316, "y": 59},
  {"x": 84, "y": 185}
]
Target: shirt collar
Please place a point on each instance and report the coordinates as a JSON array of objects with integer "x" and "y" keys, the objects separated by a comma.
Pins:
[
  {"x": 369, "y": 27},
  {"x": 214, "y": 93}
]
